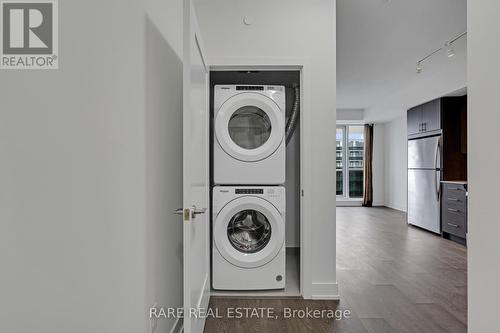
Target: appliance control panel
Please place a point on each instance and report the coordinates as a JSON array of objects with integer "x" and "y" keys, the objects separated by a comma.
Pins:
[
  {"x": 224, "y": 194},
  {"x": 248, "y": 191},
  {"x": 249, "y": 87},
  {"x": 256, "y": 88}
]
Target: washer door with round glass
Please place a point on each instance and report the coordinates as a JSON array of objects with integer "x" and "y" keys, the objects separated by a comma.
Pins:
[
  {"x": 250, "y": 127},
  {"x": 249, "y": 232}
]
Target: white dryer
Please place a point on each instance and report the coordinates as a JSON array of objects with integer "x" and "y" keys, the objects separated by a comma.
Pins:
[
  {"x": 248, "y": 243},
  {"x": 249, "y": 134}
]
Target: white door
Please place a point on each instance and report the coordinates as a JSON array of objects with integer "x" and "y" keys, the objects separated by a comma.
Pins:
[{"x": 196, "y": 176}]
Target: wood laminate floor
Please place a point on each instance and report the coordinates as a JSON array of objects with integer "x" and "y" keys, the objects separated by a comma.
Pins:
[{"x": 392, "y": 278}]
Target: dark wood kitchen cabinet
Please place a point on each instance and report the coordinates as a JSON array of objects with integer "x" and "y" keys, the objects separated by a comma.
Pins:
[
  {"x": 424, "y": 118},
  {"x": 431, "y": 116},
  {"x": 414, "y": 120},
  {"x": 454, "y": 144},
  {"x": 454, "y": 211},
  {"x": 463, "y": 126}
]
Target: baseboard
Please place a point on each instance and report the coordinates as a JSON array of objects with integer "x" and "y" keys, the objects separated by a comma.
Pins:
[
  {"x": 178, "y": 326},
  {"x": 349, "y": 203},
  {"x": 354, "y": 203},
  {"x": 325, "y": 290},
  {"x": 396, "y": 208}
]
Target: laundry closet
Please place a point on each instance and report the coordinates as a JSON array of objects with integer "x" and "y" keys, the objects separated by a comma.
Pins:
[{"x": 255, "y": 182}]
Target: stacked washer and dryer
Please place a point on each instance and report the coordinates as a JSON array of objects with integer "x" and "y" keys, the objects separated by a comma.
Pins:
[{"x": 248, "y": 241}]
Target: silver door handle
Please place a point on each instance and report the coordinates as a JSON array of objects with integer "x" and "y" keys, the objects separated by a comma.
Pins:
[
  {"x": 183, "y": 212},
  {"x": 438, "y": 173},
  {"x": 454, "y": 210},
  {"x": 453, "y": 225},
  {"x": 196, "y": 211},
  {"x": 438, "y": 184}
]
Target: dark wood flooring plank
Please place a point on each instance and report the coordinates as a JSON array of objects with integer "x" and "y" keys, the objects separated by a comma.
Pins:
[
  {"x": 392, "y": 277},
  {"x": 275, "y": 325},
  {"x": 377, "y": 325}
]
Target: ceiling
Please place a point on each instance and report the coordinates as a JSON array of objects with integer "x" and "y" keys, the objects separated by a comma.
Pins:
[{"x": 378, "y": 45}]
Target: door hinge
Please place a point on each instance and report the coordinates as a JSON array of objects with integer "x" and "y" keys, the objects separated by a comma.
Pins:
[{"x": 302, "y": 192}]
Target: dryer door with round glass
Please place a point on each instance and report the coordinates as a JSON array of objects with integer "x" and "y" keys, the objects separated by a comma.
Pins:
[
  {"x": 249, "y": 127},
  {"x": 249, "y": 232}
]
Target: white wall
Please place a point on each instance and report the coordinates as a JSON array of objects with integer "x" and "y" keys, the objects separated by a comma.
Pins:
[
  {"x": 484, "y": 226},
  {"x": 73, "y": 178},
  {"x": 350, "y": 114},
  {"x": 396, "y": 164},
  {"x": 284, "y": 31},
  {"x": 72, "y": 174}
]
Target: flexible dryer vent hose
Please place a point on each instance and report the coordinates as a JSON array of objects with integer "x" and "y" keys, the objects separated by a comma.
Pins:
[{"x": 294, "y": 116}]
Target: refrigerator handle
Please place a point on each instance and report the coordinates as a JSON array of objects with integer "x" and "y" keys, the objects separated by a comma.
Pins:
[{"x": 437, "y": 156}]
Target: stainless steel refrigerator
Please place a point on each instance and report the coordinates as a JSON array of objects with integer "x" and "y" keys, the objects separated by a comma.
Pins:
[{"x": 424, "y": 183}]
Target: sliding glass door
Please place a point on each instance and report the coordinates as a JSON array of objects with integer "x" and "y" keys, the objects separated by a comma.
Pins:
[{"x": 350, "y": 155}]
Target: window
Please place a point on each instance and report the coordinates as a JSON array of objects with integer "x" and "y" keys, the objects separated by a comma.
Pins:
[
  {"x": 340, "y": 160},
  {"x": 349, "y": 160},
  {"x": 355, "y": 146}
]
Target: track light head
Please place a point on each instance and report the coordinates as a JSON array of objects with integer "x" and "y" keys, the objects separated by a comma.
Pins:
[
  {"x": 450, "y": 52},
  {"x": 419, "y": 68}
]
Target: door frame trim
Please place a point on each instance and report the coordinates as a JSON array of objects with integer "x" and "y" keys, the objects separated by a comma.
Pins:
[{"x": 191, "y": 33}]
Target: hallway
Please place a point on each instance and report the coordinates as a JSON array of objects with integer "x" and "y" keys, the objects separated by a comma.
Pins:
[{"x": 392, "y": 278}]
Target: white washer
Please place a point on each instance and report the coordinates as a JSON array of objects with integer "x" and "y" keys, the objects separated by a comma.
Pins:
[
  {"x": 248, "y": 243},
  {"x": 249, "y": 134}
]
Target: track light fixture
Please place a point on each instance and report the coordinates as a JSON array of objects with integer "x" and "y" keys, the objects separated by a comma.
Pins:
[{"x": 448, "y": 47}]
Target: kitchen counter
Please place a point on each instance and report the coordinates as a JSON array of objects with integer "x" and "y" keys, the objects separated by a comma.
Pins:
[{"x": 458, "y": 182}]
